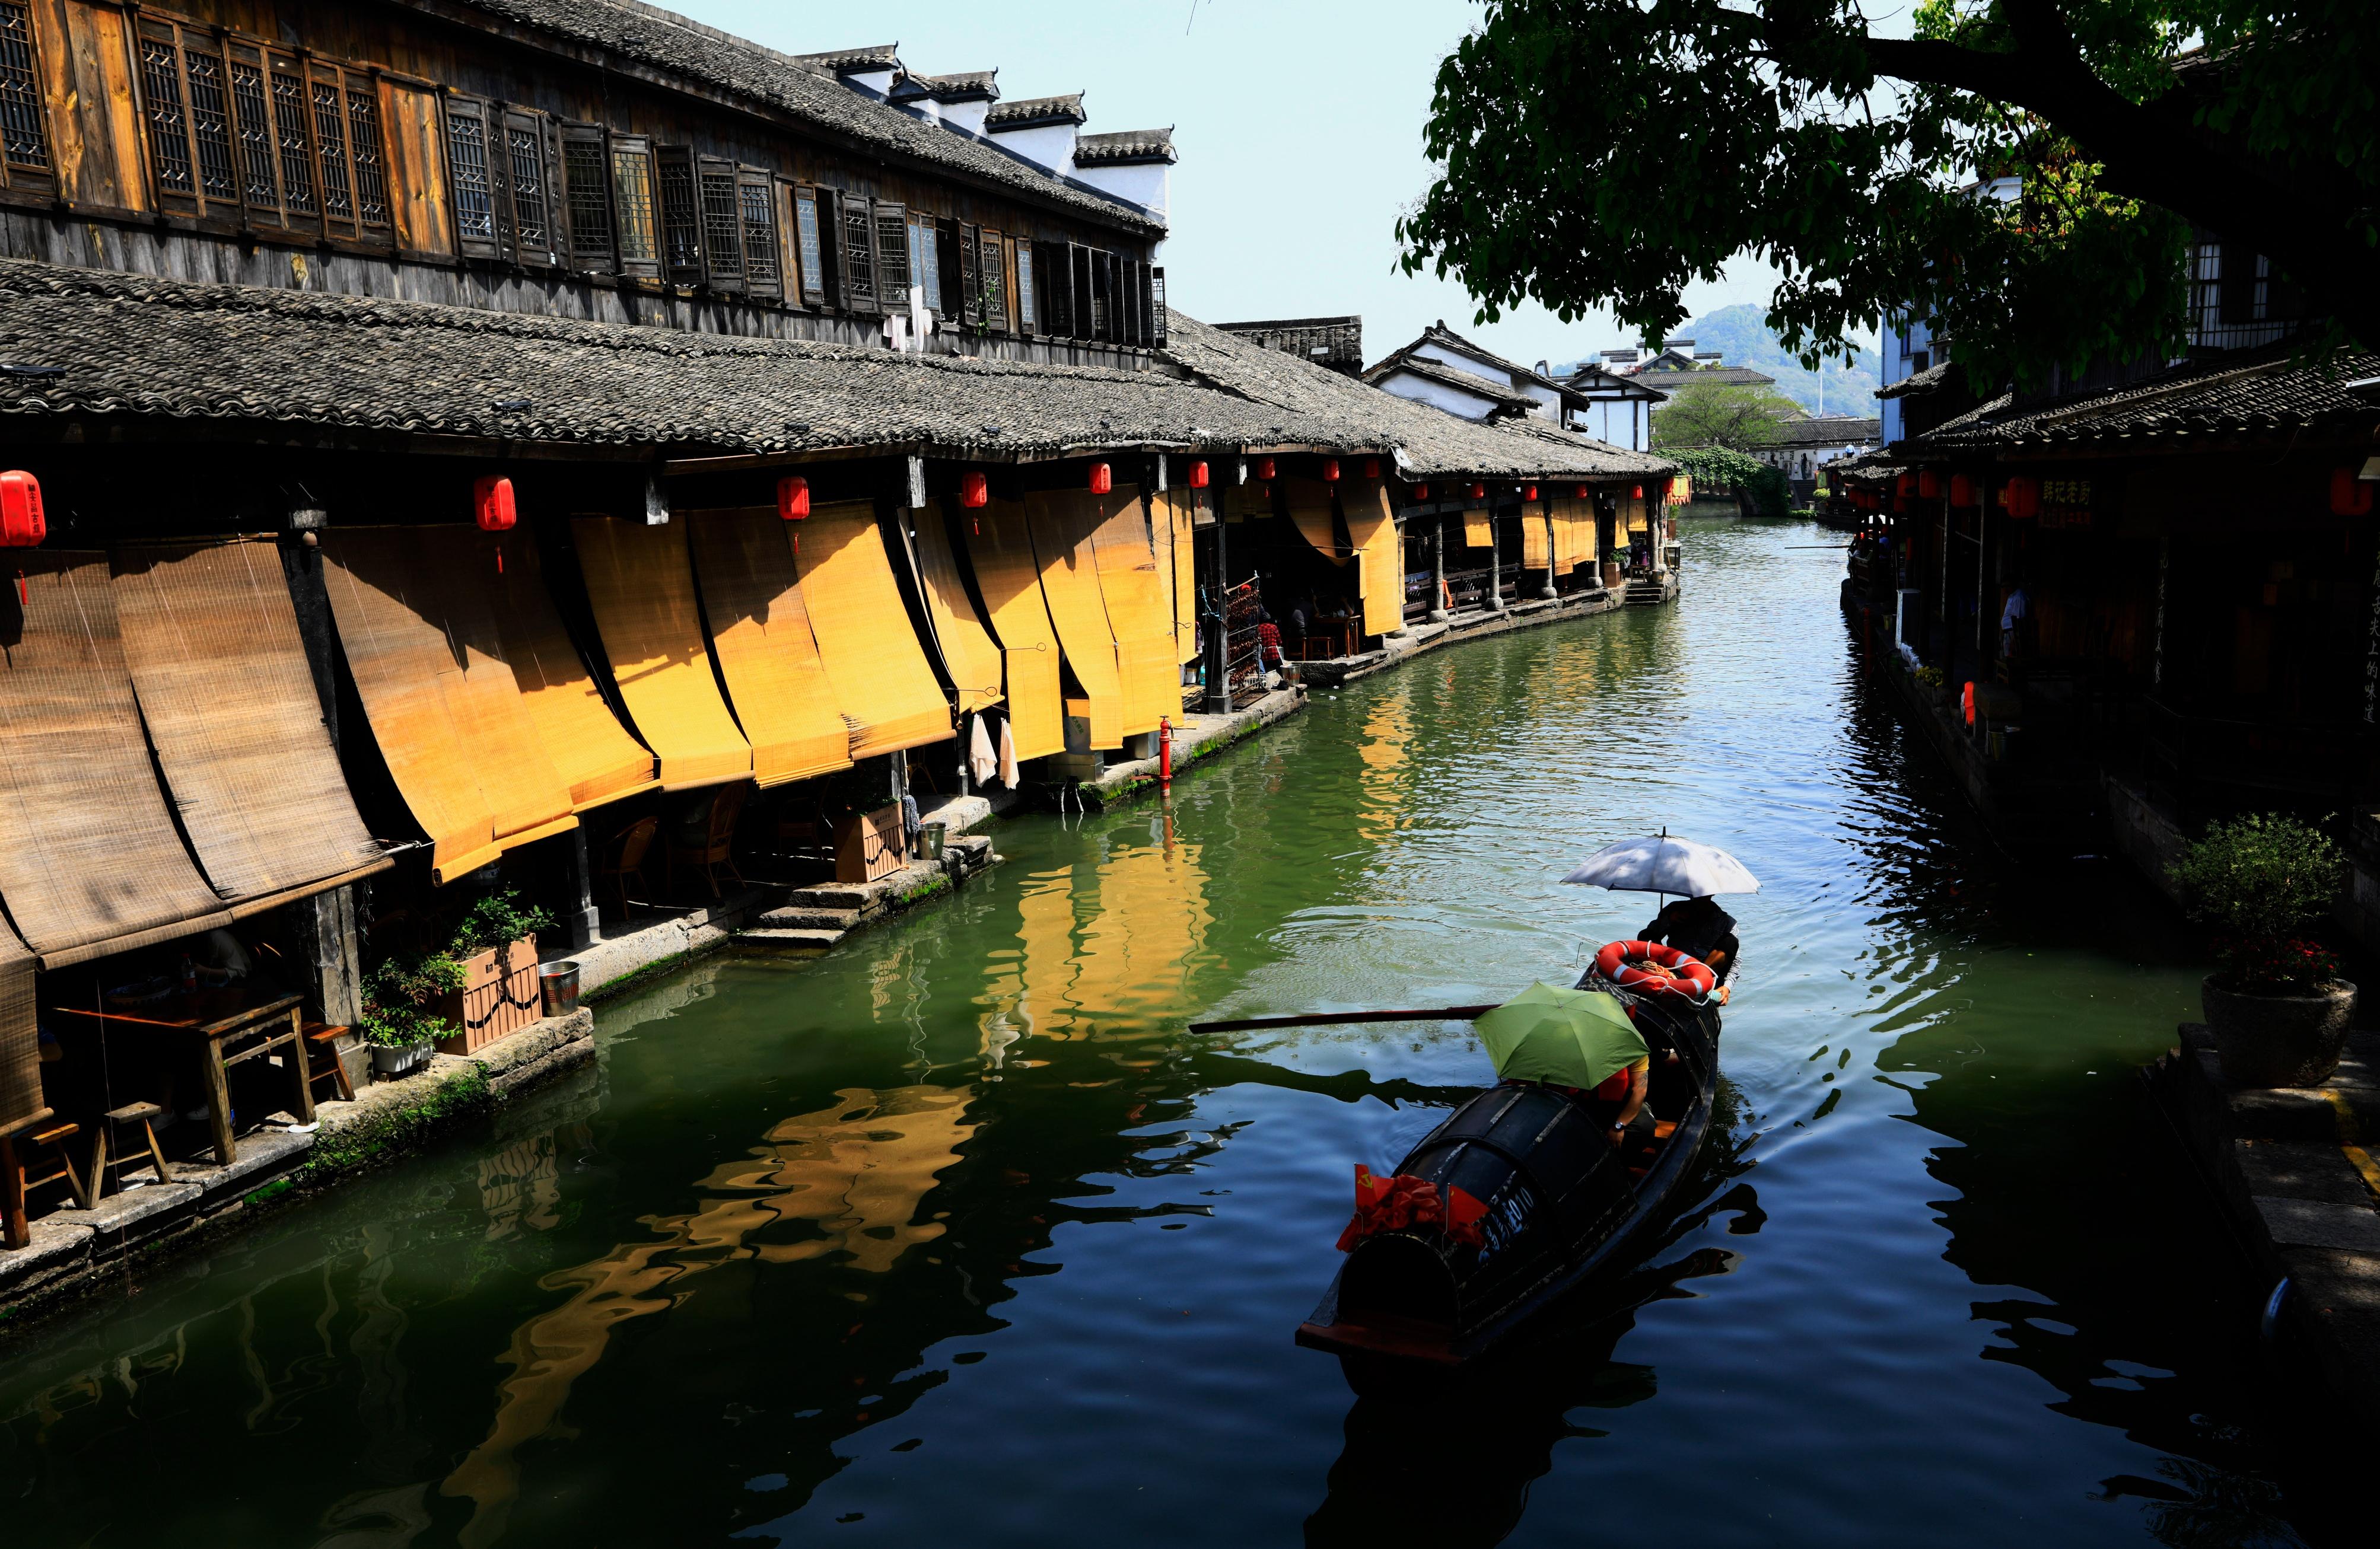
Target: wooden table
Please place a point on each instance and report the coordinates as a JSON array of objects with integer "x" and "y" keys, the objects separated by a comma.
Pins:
[{"x": 230, "y": 1029}]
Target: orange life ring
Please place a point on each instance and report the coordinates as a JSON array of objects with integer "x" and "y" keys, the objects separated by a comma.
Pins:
[{"x": 1650, "y": 968}]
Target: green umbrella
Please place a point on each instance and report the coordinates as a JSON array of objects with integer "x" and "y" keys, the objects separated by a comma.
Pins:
[{"x": 1570, "y": 1037}]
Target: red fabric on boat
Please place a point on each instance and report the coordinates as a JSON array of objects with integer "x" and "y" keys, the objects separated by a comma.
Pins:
[{"x": 1402, "y": 1202}]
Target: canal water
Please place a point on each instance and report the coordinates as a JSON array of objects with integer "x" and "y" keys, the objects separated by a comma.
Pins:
[{"x": 953, "y": 1235}]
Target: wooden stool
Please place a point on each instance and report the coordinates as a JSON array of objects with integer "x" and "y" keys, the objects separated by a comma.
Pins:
[
  {"x": 20, "y": 1155},
  {"x": 323, "y": 1041},
  {"x": 102, "y": 1165}
]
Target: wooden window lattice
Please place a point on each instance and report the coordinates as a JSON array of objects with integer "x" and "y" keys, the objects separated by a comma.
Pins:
[
  {"x": 1028, "y": 315},
  {"x": 289, "y": 134},
  {"x": 681, "y": 215},
  {"x": 364, "y": 148},
  {"x": 993, "y": 266},
  {"x": 210, "y": 119},
  {"x": 24, "y": 122},
  {"x": 330, "y": 140},
  {"x": 857, "y": 250},
  {"x": 525, "y": 157},
  {"x": 764, "y": 264},
  {"x": 632, "y": 206},
  {"x": 587, "y": 189},
  {"x": 467, "y": 169},
  {"x": 169, "y": 127},
  {"x": 722, "y": 224},
  {"x": 892, "y": 257},
  {"x": 807, "y": 246}
]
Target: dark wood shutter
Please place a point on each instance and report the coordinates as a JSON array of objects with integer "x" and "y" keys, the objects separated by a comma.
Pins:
[
  {"x": 1079, "y": 264},
  {"x": 1051, "y": 279},
  {"x": 970, "y": 307},
  {"x": 1134, "y": 319},
  {"x": 473, "y": 185},
  {"x": 812, "y": 244},
  {"x": 25, "y": 158},
  {"x": 994, "y": 265},
  {"x": 947, "y": 242},
  {"x": 636, "y": 222},
  {"x": 1157, "y": 332},
  {"x": 681, "y": 215},
  {"x": 587, "y": 196},
  {"x": 856, "y": 246},
  {"x": 764, "y": 244},
  {"x": 527, "y": 162},
  {"x": 722, "y": 222},
  {"x": 892, "y": 278}
]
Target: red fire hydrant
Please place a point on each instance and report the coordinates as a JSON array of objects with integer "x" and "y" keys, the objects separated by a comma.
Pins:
[{"x": 1165, "y": 752}]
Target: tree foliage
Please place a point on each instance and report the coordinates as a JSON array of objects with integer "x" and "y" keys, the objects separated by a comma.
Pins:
[
  {"x": 1609, "y": 152},
  {"x": 1765, "y": 490},
  {"x": 2258, "y": 880},
  {"x": 1721, "y": 414}
]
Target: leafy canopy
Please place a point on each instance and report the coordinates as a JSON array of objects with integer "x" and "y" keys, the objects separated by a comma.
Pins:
[
  {"x": 2258, "y": 880},
  {"x": 1609, "y": 152},
  {"x": 1721, "y": 414}
]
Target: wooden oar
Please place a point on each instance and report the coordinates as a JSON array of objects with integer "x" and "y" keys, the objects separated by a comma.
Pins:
[{"x": 1324, "y": 1018}]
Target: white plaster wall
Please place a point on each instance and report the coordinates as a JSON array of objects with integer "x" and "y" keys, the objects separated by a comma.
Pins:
[
  {"x": 1146, "y": 186},
  {"x": 1052, "y": 145},
  {"x": 966, "y": 116},
  {"x": 878, "y": 81},
  {"x": 1438, "y": 395}
]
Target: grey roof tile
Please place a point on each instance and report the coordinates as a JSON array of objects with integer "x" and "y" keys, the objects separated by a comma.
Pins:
[
  {"x": 1027, "y": 112},
  {"x": 1125, "y": 148}
]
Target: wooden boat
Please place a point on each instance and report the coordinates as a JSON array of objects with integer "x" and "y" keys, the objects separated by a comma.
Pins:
[{"x": 1562, "y": 1205}]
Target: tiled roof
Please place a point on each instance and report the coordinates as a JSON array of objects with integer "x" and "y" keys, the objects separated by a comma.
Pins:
[
  {"x": 1440, "y": 334},
  {"x": 1027, "y": 112},
  {"x": 1433, "y": 443},
  {"x": 805, "y": 91},
  {"x": 965, "y": 86},
  {"x": 134, "y": 345},
  {"x": 882, "y": 56},
  {"x": 1918, "y": 384},
  {"x": 1124, "y": 148},
  {"x": 1447, "y": 376},
  {"x": 2261, "y": 393},
  {"x": 1831, "y": 430},
  {"x": 1667, "y": 382}
]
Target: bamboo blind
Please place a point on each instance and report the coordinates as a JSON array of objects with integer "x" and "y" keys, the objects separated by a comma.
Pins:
[
  {"x": 210, "y": 639},
  {"x": 882, "y": 681},
  {"x": 1372, "y": 527},
  {"x": 968, "y": 650},
  {"x": 1063, "y": 522},
  {"x": 417, "y": 613},
  {"x": 591, "y": 751},
  {"x": 760, "y": 632},
  {"x": 1181, "y": 507},
  {"x": 1138, "y": 615},
  {"x": 1310, "y": 507},
  {"x": 1001, "y": 548},
  {"x": 1478, "y": 531},
  {"x": 642, "y": 589},
  {"x": 1536, "y": 542},
  {"x": 20, "y": 1043},
  {"x": 90, "y": 863}
]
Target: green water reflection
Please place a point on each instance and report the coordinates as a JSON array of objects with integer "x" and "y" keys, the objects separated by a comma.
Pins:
[{"x": 953, "y": 1234}]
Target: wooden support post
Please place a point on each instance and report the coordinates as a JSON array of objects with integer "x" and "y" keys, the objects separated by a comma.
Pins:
[
  {"x": 325, "y": 927},
  {"x": 1548, "y": 590},
  {"x": 1494, "y": 563},
  {"x": 15, "y": 1230},
  {"x": 584, "y": 922},
  {"x": 1438, "y": 571}
]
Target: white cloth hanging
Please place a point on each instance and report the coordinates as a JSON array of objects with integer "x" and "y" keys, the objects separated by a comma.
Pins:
[
  {"x": 983, "y": 764},
  {"x": 1007, "y": 756}
]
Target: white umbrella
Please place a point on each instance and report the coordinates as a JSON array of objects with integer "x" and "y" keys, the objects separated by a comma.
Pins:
[{"x": 1664, "y": 864}]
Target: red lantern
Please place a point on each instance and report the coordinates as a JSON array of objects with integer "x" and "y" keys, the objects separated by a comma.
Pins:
[
  {"x": 1636, "y": 492},
  {"x": 1330, "y": 470},
  {"x": 1967, "y": 701},
  {"x": 1580, "y": 492},
  {"x": 1421, "y": 492},
  {"x": 793, "y": 497},
  {"x": 1529, "y": 493},
  {"x": 1929, "y": 485},
  {"x": 1264, "y": 467},
  {"x": 1198, "y": 476},
  {"x": 2023, "y": 498},
  {"x": 1371, "y": 468},
  {"x": 974, "y": 491},
  {"x": 1102, "y": 480},
  {"x": 21, "y": 524},
  {"x": 1962, "y": 489},
  {"x": 1905, "y": 486},
  {"x": 1479, "y": 492},
  {"x": 492, "y": 498},
  {"x": 2350, "y": 496}
]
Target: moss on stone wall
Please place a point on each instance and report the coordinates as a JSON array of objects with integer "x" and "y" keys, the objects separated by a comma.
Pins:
[{"x": 396, "y": 1129}]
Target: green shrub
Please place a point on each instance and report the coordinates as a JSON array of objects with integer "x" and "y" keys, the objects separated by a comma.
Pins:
[
  {"x": 2257, "y": 882},
  {"x": 497, "y": 920},
  {"x": 399, "y": 995}
]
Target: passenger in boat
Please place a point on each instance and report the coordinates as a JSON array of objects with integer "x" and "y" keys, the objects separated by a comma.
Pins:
[
  {"x": 1626, "y": 1094},
  {"x": 1701, "y": 929}
]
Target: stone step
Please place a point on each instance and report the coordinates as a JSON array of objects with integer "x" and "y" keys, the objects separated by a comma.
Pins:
[
  {"x": 832, "y": 895},
  {"x": 774, "y": 940},
  {"x": 796, "y": 918}
]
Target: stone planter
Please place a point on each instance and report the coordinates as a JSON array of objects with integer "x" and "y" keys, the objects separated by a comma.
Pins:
[
  {"x": 2278, "y": 1040},
  {"x": 390, "y": 1063}
]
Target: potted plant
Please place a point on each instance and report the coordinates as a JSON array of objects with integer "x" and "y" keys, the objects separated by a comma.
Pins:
[
  {"x": 399, "y": 1025},
  {"x": 2277, "y": 1009}
]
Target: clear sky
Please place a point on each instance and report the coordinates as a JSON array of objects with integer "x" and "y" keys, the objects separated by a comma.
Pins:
[{"x": 1299, "y": 127}]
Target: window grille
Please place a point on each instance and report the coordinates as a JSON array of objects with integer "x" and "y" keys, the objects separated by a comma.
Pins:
[
  {"x": 1056, "y": 276},
  {"x": 330, "y": 140},
  {"x": 209, "y": 123},
  {"x": 856, "y": 247},
  {"x": 1028, "y": 316},
  {"x": 1156, "y": 329},
  {"x": 764, "y": 263},
  {"x": 806, "y": 244},
  {"x": 1079, "y": 261},
  {"x": 169, "y": 127},
  {"x": 1101, "y": 303},
  {"x": 532, "y": 202},
  {"x": 289, "y": 135},
  {"x": 970, "y": 276},
  {"x": 632, "y": 206},
  {"x": 364, "y": 148},
  {"x": 722, "y": 224},
  {"x": 467, "y": 163},
  {"x": 993, "y": 265},
  {"x": 917, "y": 271},
  {"x": 892, "y": 257},
  {"x": 681, "y": 215},
  {"x": 24, "y": 123},
  {"x": 259, "y": 171},
  {"x": 588, "y": 192},
  {"x": 929, "y": 264}
]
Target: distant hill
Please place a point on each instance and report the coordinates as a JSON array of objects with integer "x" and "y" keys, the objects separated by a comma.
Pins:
[{"x": 1740, "y": 334}]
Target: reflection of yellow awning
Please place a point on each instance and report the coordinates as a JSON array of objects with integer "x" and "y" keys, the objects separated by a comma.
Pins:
[
  {"x": 968, "y": 655},
  {"x": 1063, "y": 523},
  {"x": 1138, "y": 617},
  {"x": 1175, "y": 514},
  {"x": 590, "y": 749},
  {"x": 1379, "y": 547},
  {"x": 881, "y": 677},
  {"x": 641, "y": 584},
  {"x": 417, "y": 616},
  {"x": 1010, "y": 578},
  {"x": 760, "y": 633},
  {"x": 1310, "y": 508},
  {"x": 1535, "y": 542},
  {"x": 1478, "y": 531}
]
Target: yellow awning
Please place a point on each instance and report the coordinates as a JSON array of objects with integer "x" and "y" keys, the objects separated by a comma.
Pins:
[
  {"x": 1372, "y": 527},
  {"x": 1478, "y": 531},
  {"x": 968, "y": 655},
  {"x": 1310, "y": 507},
  {"x": 881, "y": 678},
  {"x": 1138, "y": 617},
  {"x": 1536, "y": 543},
  {"x": 641, "y": 586},
  {"x": 1179, "y": 510},
  {"x": 1001, "y": 548},
  {"x": 1063, "y": 523},
  {"x": 591, "y": 751},
  {"x": 416, "y": 617},
  {"x": 760, "y": 633}
]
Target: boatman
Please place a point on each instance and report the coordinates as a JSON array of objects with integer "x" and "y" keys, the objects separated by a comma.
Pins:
[{"x": 1701, "y": 929}]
